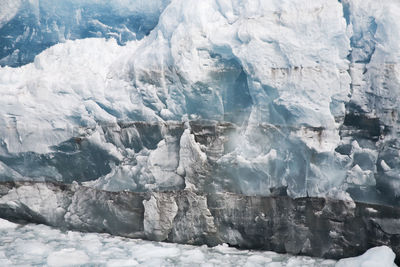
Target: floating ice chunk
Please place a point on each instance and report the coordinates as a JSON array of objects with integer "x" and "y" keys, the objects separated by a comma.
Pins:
[
  {"x": 121, "y": 263},
  {"x": 33, "y": 247},
  {"x": 4, "y": 224},
  {"x": 67, "y": 257},
  {"x": 379, "y": 256}
]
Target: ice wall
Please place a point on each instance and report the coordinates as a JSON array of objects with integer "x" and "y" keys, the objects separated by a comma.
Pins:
[
  {"x": 278, "y": 223},
  {"x": 372, "y": 125},
  {"x": 238, "y": 96}
]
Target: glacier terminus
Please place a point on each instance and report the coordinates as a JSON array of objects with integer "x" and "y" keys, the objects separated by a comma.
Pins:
[{"x": 185, "y": 118}]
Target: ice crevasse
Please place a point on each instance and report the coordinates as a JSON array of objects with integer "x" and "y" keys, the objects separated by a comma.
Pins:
[{"x": 217, "y": 95}]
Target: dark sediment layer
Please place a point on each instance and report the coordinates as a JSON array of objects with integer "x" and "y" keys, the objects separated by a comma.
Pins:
[{"x": 320, "y": 227}]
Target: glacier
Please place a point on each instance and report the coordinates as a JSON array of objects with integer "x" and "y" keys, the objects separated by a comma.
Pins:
[
  {"x": 311, "y": 102},
  {"x": 249, "y": 97}
]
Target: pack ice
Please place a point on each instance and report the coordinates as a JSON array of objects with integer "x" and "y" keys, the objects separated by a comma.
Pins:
[{"x": 215, "y": 95}]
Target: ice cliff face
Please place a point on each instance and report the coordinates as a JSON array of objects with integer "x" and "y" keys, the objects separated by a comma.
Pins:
[
  {"x": 321, "y": 227},
  {"x": 221, "y": 95},
  {"x": 372, "y": 124}
]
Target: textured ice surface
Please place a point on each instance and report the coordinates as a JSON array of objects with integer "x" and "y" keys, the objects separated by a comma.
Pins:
[
  {"x": 33, "y": 245},
  {"x": 311, "y": 90},
  {"x": 372, "y": 126},
  {"x": 29, "y": 27}
]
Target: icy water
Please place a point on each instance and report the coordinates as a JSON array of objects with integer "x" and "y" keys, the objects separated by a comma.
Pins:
[{"x": 40, "y": 245}]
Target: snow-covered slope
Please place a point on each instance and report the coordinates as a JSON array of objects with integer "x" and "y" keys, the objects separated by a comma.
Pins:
[{"x": 310, "y": 87}]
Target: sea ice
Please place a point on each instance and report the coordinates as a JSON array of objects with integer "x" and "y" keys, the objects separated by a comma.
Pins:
[{"x": 74, "y": 248}]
